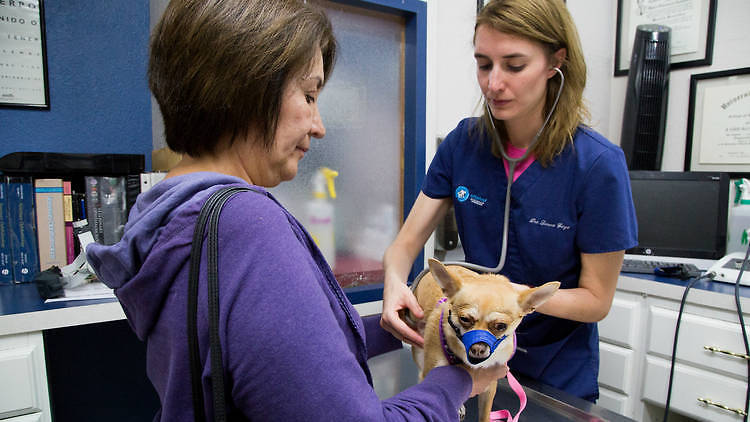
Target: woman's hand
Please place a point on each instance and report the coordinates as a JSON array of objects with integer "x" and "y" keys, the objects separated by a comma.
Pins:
[
  {"x": 481, "y": 378},
  {"x": 396, "y": 297}
]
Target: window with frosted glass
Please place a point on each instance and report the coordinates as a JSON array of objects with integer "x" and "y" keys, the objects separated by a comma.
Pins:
[{"x": 362, "y": 107}]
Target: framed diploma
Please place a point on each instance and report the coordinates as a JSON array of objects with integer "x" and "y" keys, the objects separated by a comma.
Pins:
[
  {"x": 718, "y": 133},
  {"x": 692, "y": 23},
  {"x": 23, "y": 60}
]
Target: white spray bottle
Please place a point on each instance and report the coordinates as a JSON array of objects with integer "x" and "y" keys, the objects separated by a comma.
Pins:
[
  {"x": 320, "y": 213},
  {"x": 739, "y": 218}
]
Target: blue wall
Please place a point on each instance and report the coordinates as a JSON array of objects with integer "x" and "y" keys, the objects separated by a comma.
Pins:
[{"x": 97, "y": 54}]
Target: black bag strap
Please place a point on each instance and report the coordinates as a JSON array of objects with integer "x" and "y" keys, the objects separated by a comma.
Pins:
[{"x": 209, "y": 215}]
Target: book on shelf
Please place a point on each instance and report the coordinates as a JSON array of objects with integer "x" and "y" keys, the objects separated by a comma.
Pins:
[
  {"x": 106, "y": 207},
  {"x": 70, "y": 252},
  {"x": 6, "y": 269},
  {"x": 22, "y": 229},
  {"x": 132, "y": 190},
  {"x": 50, "y": 223}
]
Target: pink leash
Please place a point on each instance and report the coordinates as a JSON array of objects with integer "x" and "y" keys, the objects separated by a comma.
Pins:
[{"x": 505, "y": 415}]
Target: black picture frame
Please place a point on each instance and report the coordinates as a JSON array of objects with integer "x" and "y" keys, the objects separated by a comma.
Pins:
[
  {"x": 23, "y": 56},
  {"x": 731, "y": 93},
  {"x": 705, "y": 21}
]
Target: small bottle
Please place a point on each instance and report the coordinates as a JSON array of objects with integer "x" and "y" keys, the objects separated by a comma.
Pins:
[
  {"x": 739, "y": 218},
  {"x": 320, "y": 213}
]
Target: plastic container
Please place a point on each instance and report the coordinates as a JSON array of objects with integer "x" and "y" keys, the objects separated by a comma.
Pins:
[
  {"x": 739, "y": 218},
  {"x": 321, "y": 213}
]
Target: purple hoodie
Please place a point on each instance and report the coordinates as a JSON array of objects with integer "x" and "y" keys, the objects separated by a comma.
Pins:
[{"x": 293, "y": 346}]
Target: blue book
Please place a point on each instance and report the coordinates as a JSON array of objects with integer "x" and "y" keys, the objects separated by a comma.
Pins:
[
  {"x": 6, "y": 268},
  {"x": 23, "y": 237}
]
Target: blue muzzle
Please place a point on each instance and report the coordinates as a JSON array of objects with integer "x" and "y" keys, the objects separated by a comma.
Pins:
[{"x": 473, "y": 337}]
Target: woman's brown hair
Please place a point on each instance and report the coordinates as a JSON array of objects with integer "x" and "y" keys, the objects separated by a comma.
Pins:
[
  {"x": 218, "y": 68},
  {"x": 548, "y": 23}
]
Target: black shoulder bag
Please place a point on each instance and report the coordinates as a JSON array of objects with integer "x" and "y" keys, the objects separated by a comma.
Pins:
[{"x": 209, "y": 215}]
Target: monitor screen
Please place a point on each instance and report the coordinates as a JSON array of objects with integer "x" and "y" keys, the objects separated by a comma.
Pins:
[{"x": 681, "y": 214}]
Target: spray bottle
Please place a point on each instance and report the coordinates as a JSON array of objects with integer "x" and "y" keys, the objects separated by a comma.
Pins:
[
  {"x": 320, "y": 213},
  {"x": 739, "y": 218}
]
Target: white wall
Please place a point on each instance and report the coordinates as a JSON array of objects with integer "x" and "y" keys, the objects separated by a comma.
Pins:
[{"x": 452, "y": 92}]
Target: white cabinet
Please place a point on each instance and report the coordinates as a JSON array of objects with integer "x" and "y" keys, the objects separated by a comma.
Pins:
[
  {"x": 23, "y": 392},
  {"x": 636, "y": 341},
  {"x": 699, "y": 372},
  {"x": 621, "y": 341}
]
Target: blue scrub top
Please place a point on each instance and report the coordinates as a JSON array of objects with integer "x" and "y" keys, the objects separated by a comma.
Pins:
[{"x": 580, "y": 203}]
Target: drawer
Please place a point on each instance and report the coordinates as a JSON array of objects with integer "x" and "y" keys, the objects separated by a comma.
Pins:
[
  {"x": 622, "y": 324},
  {"x": 613, "y": 401},
  {"x": 695, "y": 333},
  {"x": 615, "y": 367},
  {"x": 18, "y": 374},
  {"x": 689, "y": 384}
]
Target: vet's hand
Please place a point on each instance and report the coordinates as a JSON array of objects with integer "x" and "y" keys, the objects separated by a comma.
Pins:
[
  {"x": 398, "y": 296},
  {"x": 484, "y": 377}
]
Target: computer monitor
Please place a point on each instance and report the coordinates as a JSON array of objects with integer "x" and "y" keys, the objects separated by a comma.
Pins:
[{"x": 681, "y": 214}]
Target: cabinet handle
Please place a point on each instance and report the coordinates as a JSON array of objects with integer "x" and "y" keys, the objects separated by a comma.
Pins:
[
  {"x": 737, "y": 355},
  {"x": 721, "y": 406}
]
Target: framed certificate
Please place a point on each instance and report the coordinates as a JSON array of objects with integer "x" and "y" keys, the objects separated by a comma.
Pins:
[
  {"x": 718, "y": 132},
  {"x": 692, "y": 23},
  {"x": 23, "y": 59}
]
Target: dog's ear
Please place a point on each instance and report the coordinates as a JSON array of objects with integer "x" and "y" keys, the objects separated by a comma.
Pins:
[
  {"x": 532, "y": 298},
  {"x": 447, "y": 282}
]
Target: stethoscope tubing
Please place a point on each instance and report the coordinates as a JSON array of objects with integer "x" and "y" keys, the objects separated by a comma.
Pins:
[{"x": 511, "y": 170}]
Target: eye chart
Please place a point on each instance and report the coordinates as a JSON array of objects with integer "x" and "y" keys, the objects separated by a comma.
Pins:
[{"x": 22, "y": 56}]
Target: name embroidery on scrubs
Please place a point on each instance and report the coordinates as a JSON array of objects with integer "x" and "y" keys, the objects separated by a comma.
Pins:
[
  {"x": 462, "y": 194},
  {"x": 544, "y": 223}
]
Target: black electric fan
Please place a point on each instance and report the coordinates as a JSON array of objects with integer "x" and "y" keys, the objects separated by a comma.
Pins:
[{"x": 645, "y": 115}]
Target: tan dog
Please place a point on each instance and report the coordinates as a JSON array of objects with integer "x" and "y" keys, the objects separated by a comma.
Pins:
[{"x": 485, "y": 302}]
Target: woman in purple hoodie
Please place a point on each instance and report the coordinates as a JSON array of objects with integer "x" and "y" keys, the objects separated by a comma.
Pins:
[{"x": 237, "y": 82}]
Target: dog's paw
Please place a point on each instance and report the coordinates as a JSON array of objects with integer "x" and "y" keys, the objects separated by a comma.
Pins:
[{"x": 461, "y": 412}]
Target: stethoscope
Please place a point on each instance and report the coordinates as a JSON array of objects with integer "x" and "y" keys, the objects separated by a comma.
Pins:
[
  {"x": 511, "y": 169},
  {"x": 475, "y": 336}
]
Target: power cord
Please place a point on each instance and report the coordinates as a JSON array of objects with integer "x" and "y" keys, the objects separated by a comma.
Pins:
[
  {"x": 744, "y": 333},
  {"x": 707, "y": 276},
  {"x": 710, "y": 276}
]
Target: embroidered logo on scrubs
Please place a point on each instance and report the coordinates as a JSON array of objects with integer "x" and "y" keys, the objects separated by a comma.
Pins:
[
  {"x": 545, "y": 223},
  {"x": 462, "y": 194}
]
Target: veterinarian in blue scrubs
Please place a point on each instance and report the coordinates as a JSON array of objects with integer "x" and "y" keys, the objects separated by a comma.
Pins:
[{"x": 571, "y": 215}]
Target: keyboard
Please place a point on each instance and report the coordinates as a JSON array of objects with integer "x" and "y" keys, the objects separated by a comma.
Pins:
[{"x": 660, "y": 268}]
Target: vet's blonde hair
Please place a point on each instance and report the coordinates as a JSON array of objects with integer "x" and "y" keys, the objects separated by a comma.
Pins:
[{"x": 548, "y": 23}]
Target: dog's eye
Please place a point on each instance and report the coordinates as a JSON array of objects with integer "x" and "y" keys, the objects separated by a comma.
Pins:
[
  {"x": 465, "y": 320},
  {"x": 501, "y": 326}
]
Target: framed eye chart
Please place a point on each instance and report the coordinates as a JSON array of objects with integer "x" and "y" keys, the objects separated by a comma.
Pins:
[{"x": 23, "y": 59}]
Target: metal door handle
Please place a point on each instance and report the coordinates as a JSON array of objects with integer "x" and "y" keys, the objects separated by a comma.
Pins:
[
  {"x": 721, "y": 406},
  {"x": 726, "y": 352}
]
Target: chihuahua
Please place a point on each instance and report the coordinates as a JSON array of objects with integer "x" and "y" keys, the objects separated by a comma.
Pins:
[{"x": 470, "y": 319}]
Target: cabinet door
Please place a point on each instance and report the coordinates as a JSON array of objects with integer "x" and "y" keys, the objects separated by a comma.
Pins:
[
  {"x": 623, "y": 323},
  {"x": 24, "y": 387}
]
